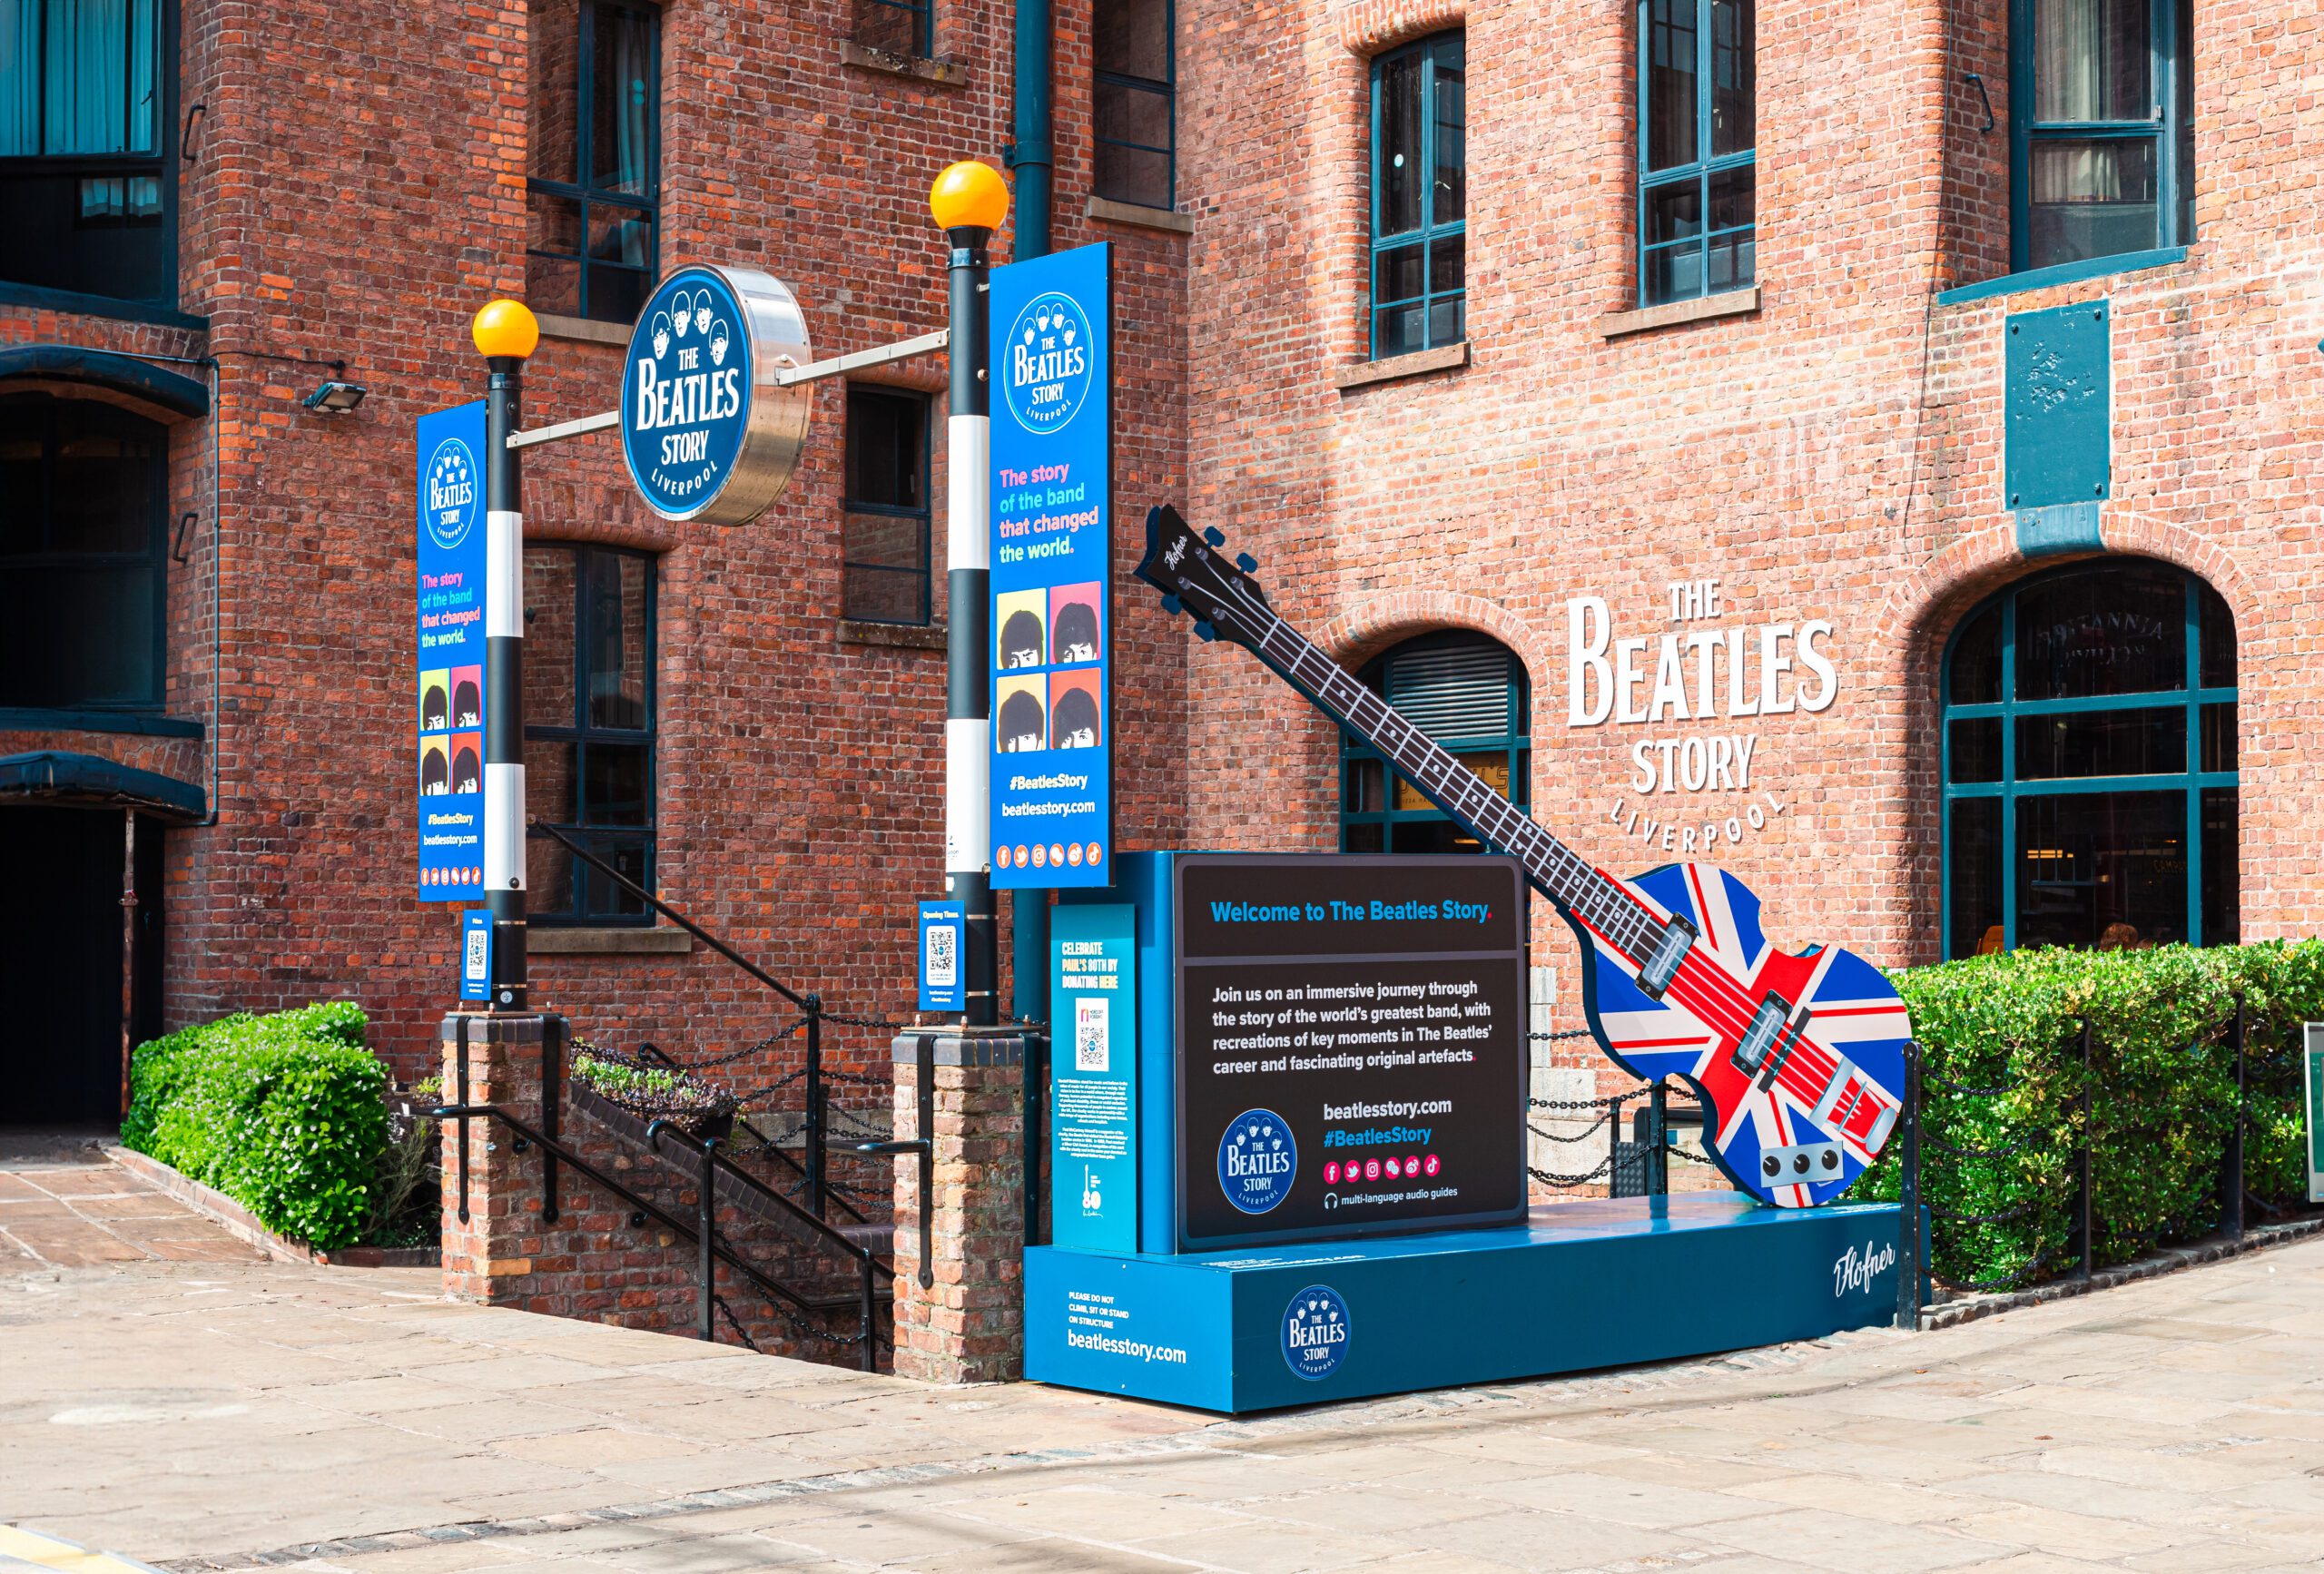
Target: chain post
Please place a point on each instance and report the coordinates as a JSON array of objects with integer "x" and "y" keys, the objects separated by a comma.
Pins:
[
  {"x": 2231, "y": 1176},
  {"x": 818, "y": 1199},
  {"x": 460, "y": 1039},
  {"x": 1909, "y": 1195},
  {"x": 1657, "y": 1161},
  {"x": 2083, "y": 1201},
  {"x": 863, "y": 1319},
  {"x": 707, "y": 1209},
  {"x": 1036, "y": 1096},
  {"x": 554, "y": 1030},
  {"x": 925, "y": 1096}
]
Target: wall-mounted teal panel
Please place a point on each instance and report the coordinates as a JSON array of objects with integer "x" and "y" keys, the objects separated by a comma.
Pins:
[{"x": 2056, "y": 407}]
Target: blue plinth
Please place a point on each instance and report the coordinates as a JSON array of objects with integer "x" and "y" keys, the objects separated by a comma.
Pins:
[{"x": 1580, "y": 1285}]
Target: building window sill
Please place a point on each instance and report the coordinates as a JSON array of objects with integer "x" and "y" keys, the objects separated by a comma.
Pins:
[
  {"x": 583, "y": 329},
  {"x": 548, "y": 941},
  {"x": 2062, "y": 273},
  {"x": 73, "y": 301},
  {"x": 28, "y": 719},
  {"x": 1363, "y": 374},
  {"x": 902, "y": 635},
  {"x": 888, "y": 63},
  {"x": 1137, "y": 213},
  {"x": 1702, "y": 308}
]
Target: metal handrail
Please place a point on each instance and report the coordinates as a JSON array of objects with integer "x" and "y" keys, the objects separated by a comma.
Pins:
[
  {"x": 776, "y": 1293},
  {"x": 766, "y": 1144},
  {"x": 661, "y": 1124}
]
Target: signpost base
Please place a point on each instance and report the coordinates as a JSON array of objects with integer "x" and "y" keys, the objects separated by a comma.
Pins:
[{"x": 1580, "y": 1285}]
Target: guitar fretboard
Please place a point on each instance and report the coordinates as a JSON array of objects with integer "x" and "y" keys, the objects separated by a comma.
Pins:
[{"x": 1561, "y": 872}]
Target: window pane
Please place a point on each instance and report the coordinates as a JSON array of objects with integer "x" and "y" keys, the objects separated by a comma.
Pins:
[
  {"x": 897, "y": 26},
  {"x": 1445, "y": 270},
  {"x": 601, "y": 898},
  {"x": 552, "y": 61},
  {"x": 875, "y": 595},
  {"x": 1140, "y": 118},
  {"x": 107, "y": 479},
  {"x": 886, "y": 541},
  {"x": 1733, "y": 68},
  {"x": 1673, "y": 273},
  {"x": 1366, "y": 838},
  {"x": 621, "y": 101},
  {"x": 1132, "y": 37},
  {"x": 553, "y": 281},
  {"x": 614, "y": 784},
  {"x": 2118, "y": 630},
  {"x": 549, "y": 598},
  {"x": 619, "y": 657},
  {"x": 2103, "y": 744},
  {"x": 1732, "y": 255},
  {"x": 2218, "y": 624},
  {"x": 1674, "y": 211},
  {"x": 549, "y": 873},
  {"x": 2093, "y": 60},
  {"x": 1973, "y": 866},
  {"x": 1399, "y": 275},
  {"x": 2219, "y": 738},
  {"x": 619, "y": 234},
  {"x": 553, "y": 781},
  {"x": 1452, "y": 175},
  {"x": 1670, "y": 106},
  {"x": 1976, "y": 661},
  {"x": 2186, "y": 151},
  {"x": 1447, "y": 321},
  {"x": 2092, "y": 198},
  {"x": 887, "y": 450},
  {"x": 84, "y": 61},
  {"x": 23, "y": 438},
  {"x": 1975, "y": 749},
  {"x": 75, "y": 636},
  {"x": 1363, "y": 790},
  {"x": 1135, "y": 175},
  {"x": 616, "y": 294},
  {"x": 2222, "y": 924},
  {"x": 1431, "y": 836},
  {"x": 2103, "y": 869},
  {"x": 1399, "y": 330},
  {"x": 1397, "y": 159}
]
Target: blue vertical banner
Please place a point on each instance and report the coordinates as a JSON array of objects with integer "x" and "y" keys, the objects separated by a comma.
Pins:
[
  {"x": 1093, "y": 1078},
  {"x": 942, "y": 986},
  {"x": 1052, "y": 571},
  {"x": 449, "y": 755}
]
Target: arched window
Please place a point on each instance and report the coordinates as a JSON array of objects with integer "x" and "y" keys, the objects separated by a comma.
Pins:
[
  {"x": 1468, "y": 693},
  {"x": 2089, "y": 760},
  {"x": 83, "y": 530}
]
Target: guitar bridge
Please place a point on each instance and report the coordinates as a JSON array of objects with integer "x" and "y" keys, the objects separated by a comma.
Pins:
[{"x": 1662, "y": 966}]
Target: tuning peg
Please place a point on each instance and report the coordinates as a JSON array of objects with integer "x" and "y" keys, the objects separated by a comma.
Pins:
[
  {"x": 1214, "y": 534},
  {"x": 1246, "y": 562},
  {"x": 1205, "y": 632},
  {"x": 1173, "y": 606}
]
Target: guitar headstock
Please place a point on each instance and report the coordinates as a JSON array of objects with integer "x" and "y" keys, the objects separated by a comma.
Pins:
[{"x": 1195, "y": 578}]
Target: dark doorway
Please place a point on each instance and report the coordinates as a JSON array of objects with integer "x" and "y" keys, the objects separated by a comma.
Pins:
[{"x": 61, "y": 961}]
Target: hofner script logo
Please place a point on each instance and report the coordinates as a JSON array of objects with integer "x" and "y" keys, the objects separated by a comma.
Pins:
[
  {"x": 451, "y": 493},
  {"x": 1047, "y": 360},
  {"x": 687, "y": 399},
  {"x": 1257, "y": 1161},
  {"x": 1315, "y": 1328},
  {"x": 1854, "y": 1269}
]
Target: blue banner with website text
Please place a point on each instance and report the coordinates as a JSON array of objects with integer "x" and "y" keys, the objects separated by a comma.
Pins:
[
  {"x": 1052, "y": 603},
  {"x": 452, "y": 569}
]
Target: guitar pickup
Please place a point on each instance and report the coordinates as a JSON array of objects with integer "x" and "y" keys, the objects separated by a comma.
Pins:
[
  {"x": 1759, "y": 1039},
  {"x": 1662, "y": 966}
]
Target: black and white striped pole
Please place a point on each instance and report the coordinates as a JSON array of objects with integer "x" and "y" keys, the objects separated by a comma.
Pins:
[
  {"x": 970, "y": 202},
  {"x": 506, "y": 333}
]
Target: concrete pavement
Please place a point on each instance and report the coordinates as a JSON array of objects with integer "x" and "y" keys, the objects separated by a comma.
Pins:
[{"x": 242, "y": 1413}]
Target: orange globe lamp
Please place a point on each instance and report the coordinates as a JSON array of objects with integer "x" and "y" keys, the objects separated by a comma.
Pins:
[
  {"x": 506, "y": 329},
  {"x": 970, "y": 196}
]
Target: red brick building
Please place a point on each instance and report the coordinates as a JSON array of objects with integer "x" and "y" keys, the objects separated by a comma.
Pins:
[
  {"x": 209, "y": 648},
  {"x": 1867, "y": 446}
]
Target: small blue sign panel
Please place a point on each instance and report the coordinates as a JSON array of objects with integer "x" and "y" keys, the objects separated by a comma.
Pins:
[
  {"x": 1257, "y": 1160},
  {"x": 941, "y": 926},
  {"x": 1316, "y": 1332},
  {"x": 476, "y": 955},
  {"x": 2057, "y": 406},
  {"x": 452, "y": 591},
  {"x": 1052, "y": 598},
  {"x": 686, "y": 397},
  {"x": 1093, "y": 1078}
]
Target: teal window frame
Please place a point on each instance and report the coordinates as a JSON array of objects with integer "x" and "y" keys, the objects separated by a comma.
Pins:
[
  {"x": 856, "y": 575},
  {"x": 2171, "y": 53},
  {"x": 1119, "y": 86},
  {"x": 1431, "y": 234},
  {"x": 1701, "y": 171},
  {"x": 2191, "y": 783},
  {"x": 1358, "y": 759},
  {"x": 590, "y": 198}
]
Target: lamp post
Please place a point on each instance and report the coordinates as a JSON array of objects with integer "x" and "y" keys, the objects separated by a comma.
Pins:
[
  {"x": 506, "y": 333},
  {"x": 969, "y": 200}
]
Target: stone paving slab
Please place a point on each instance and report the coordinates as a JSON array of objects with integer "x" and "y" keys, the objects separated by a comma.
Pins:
[{"x": 244, "y": 1413}]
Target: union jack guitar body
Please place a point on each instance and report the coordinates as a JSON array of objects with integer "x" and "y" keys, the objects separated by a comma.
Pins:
[{"x": 1798, "y": 1058}]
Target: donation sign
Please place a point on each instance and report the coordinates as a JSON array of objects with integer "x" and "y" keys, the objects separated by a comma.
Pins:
[
  {"x": 1052, "y": 603},
  {"x": 1093, "y": 1078},
  {"x": 451, "y": 734},
  {"x": 1352, "y": 1055}
]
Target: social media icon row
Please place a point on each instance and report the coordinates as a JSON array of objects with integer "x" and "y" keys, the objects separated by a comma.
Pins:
[
  {"x": 1410, "y": 1167},
  {"x": 1056, "y": 855}
]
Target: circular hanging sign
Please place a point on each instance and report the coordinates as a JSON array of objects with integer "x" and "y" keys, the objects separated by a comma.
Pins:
[{"x": 707, "y": 430}]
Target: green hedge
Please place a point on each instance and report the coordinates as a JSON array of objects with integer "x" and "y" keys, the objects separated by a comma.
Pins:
[
  {"x": 285, "y": 1114},
  {"x": 2162, "y": 1075}
]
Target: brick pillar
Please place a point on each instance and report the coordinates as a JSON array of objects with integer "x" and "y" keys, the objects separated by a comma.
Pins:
[
  {"x": 487, "y": 1252},
  {"x": 968, "y": 1324}
]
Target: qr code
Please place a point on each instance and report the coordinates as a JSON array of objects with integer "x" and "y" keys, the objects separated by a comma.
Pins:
[
  {"x": 943, "y": 958},
  {"x": 476, "y": 959},
  {"x": 1091, "y": 1050}
]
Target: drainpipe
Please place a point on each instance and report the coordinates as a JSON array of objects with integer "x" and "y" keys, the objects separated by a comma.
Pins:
[{"x": 1035, "y": 57}]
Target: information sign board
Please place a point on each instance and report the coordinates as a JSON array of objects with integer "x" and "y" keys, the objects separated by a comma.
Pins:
[
  {"x": 1052, "y": 576},
  {"x": 451, "y": 589},
  {"x": 2313, "y": 1069},
  {"x": 475, "y": 954},
  {"x": 1093, "y": 1078},
  {"x": 941, "y": 987},
  {"x": 1352, "y": 1055}
]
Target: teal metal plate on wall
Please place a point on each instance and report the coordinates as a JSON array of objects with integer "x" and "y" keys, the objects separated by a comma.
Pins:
[{"x": 2056, "y": 406}]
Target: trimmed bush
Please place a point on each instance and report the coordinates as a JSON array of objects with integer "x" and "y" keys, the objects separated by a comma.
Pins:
[
  {"x": 285, "y": 1114},
  {"x": 2003, "y": 1080}
]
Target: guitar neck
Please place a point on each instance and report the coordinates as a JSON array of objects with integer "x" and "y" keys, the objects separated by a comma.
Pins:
[{"x": 1560, "y": 873}]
